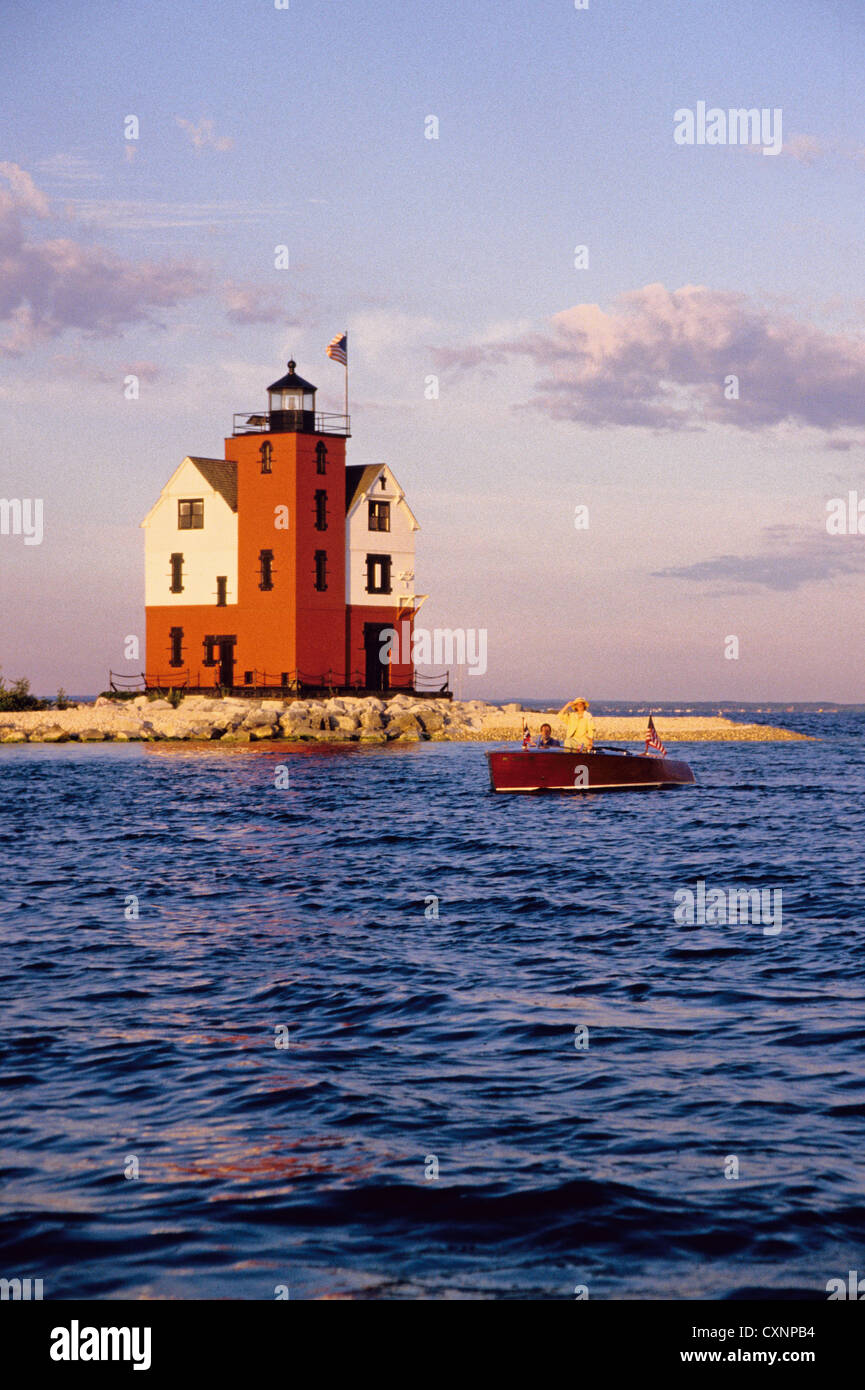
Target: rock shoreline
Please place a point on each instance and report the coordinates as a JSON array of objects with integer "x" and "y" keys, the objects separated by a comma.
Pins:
[{"x": 342, "y": 719}]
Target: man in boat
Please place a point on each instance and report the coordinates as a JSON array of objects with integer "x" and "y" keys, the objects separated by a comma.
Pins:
[
  {"x": 545, "y": 738},
  {"x": 579, "y": 725}
]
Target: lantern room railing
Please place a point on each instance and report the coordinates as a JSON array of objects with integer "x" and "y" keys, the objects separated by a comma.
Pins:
[{"x": 291, "y": 421}]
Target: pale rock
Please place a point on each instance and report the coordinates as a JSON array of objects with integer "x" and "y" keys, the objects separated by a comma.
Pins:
[
  {"x": 403, "y": 723},
  {"x": 257, "y": 719},
  {"x": 431, "y": 720}
]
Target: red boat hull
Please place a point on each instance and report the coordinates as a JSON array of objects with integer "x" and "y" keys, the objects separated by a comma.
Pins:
[{"x": 529, "y": 770}]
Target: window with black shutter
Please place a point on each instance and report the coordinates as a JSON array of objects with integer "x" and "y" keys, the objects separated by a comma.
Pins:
[
  {"x": 320, "y": 457},
  {"x": 266, "y": 452},
  {"x": 177, "y": 574},
  {"x": 209, "y": 658},
  {"x": 265, "y": 561},
  {"x": 321, "y": 510},
  {"x": 176, "y": 636},
  {"x": 221, "y": 590},
  {"x": 321, "y": 569},
  {"x": 378, "y": 574}
]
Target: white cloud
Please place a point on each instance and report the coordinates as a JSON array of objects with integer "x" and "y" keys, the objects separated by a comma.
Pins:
[{"x": 203, "y": 136}]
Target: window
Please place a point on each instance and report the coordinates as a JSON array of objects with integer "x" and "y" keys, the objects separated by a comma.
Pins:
[
  {"x": 321, "y": 510},
  {"x": 379, "y": 516},
  {"x": 177, "y": 574},
  {"x": 221, "y": 590},
  {"x": 265, "y": 561},
  {"x": 190, "y": 514},
  {"x": 266, "y": 452},
  {"x": 176, "y": 636},
  {"x": 321, "y": 569},
  {"x": 378, "y": 574},
  {"x": 320, "y": 457},
  {"x": 209, "y": 658}
]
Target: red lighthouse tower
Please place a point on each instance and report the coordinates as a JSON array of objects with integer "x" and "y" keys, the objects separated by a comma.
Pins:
[{"x": 291, "y": 537}]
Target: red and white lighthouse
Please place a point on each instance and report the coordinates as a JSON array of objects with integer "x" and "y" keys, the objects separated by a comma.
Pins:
[{"x": 278, "y": 567}]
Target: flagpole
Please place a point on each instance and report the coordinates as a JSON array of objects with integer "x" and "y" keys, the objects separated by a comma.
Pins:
[{"x": 346, "y": 378}]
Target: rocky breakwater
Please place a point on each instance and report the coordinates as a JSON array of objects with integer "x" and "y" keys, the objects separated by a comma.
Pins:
[{"x": 342, "y": 719}]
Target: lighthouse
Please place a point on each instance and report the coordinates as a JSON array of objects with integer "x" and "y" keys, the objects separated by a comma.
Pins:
[{"x": 278, "y": 567}]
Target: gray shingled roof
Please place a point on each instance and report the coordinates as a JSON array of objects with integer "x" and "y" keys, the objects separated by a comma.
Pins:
[
  {"x": 358, "y": 478},
  {"x": 221, "y": 474}
]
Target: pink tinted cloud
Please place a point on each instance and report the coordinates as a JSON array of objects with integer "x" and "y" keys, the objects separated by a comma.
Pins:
[
  {"x": 790, "y": 558},
  {"x": 52, "y": 285},
  {"x": 72, "y": 366},
  {"x": 203, "y": 136},
  {"x": 807, "y": 149},
  {"x": 254, "y": 304},
  {"x": 660, "y": 359}
]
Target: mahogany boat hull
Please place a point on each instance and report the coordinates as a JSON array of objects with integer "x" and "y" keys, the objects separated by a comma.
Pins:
[{"x": 558, "y": 770}]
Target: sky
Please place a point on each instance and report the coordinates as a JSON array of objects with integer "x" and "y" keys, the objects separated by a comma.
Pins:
[{"x": 632, "y": 449}]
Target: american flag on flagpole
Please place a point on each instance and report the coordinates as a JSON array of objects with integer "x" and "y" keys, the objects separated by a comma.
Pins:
[
  {"x": 527, "y": 735},
  {"x": 652, "y": 739},
  {"x": 337, "y": 349}
]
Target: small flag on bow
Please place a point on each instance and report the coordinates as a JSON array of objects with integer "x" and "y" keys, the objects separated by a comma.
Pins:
[
  {"x": 527, "y": 737},
  {"x": 337, "y": 349},
  {"x": 652, "y": 739}
]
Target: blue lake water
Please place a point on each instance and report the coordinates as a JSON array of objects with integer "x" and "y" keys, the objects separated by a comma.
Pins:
[{"x": 149, "y": 1044}]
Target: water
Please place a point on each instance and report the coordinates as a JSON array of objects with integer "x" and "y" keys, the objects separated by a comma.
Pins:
[{"x": 152, "y": 1041}]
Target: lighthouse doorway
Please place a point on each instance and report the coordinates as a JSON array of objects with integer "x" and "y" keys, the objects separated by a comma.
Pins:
[
  {"x": 377, "y": 671},
  {"x": 225, "y": 647}
]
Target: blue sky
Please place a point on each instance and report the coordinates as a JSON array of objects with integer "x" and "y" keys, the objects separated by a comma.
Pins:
[{"x": 305, "y": 127}]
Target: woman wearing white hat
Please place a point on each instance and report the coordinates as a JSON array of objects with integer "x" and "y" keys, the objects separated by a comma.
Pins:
[{"x": 579, "y": 725}]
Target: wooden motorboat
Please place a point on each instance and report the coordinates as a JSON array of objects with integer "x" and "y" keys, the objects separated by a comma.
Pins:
[{"x": 605, "y": 769}]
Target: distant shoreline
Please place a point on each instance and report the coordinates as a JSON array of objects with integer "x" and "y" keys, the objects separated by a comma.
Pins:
[{"x": 614, "y": 708}]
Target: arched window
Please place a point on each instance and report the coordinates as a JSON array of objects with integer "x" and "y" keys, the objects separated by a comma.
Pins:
[
  {"x": 266, "y": 452},
  {"x": 321, "y": 457}
]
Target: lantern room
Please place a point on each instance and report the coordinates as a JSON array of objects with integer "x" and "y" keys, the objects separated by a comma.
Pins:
[{"x": 291, "y": 403}]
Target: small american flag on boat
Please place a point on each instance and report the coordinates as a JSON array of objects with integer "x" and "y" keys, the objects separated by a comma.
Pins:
[
  {"x": 527, "y": 735},
  {"x": 337, "y": 349},
  {"x": 652, "y": 739}
]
